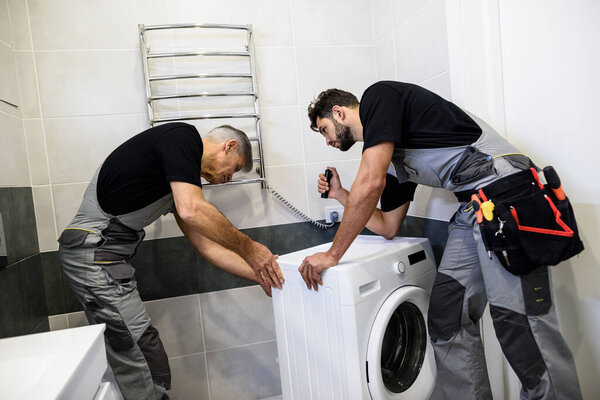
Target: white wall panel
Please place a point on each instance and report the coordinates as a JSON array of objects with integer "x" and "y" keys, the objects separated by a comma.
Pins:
[
  {"x": 405, "y": 9},
  {"x": 381, "y": 14},
  {"x": 349, "y": 68},
  {"x": 77, "y": 83},
  {"x": 29, "y": 102},
  {"x": 332, "y": 23},
  {"x": 36, "y": 149},
  {"x": 5, "y": 34},
  {"x": 85, "y": 25},
  {"x": 67, "y": 199},
  {"x": 385, "y": 58},
  {"x": 77, "y": 146},
  {"x": 422, "y": 44},
  {"x": 13, "y": 152},
  {"x": 21, "y": 35},
  {"x": 276, "y": 74},
  {"x": 9, "y": 90},
  {"x": 44, "y": 218},
  {"x": 271, "y": 19},
  {"x": 282, "y": 137}
]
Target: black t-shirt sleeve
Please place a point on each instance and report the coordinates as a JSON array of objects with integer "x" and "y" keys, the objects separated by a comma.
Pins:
[
  {"x": 179, "y": 151},
  {"x": 395, "y": 193},
  {"x": 381, "y": 114}
]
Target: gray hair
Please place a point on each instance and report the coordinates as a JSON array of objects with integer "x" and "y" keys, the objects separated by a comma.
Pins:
[{"x": 223, "y": 133}]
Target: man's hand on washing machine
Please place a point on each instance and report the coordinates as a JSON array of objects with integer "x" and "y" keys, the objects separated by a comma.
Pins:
[{"x": 312, "y": 266}]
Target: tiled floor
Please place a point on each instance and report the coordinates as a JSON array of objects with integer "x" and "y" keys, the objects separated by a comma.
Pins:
[{"x": 221, "y": 345}]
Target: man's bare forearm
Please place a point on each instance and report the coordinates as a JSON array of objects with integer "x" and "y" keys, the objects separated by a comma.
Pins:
[
  {"x": 359, "y": 208},
  {"x": 216, "y": 254}
]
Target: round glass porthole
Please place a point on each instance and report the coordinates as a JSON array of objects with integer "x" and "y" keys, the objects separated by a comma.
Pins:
[{"x": 403, "y": 348}]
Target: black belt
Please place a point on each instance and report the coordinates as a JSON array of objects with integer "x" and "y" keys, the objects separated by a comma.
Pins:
[{"x": 499, "y": 187}]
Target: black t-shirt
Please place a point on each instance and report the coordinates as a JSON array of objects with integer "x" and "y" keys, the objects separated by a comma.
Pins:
[
  {"x": 413, "y": 118},
  {"x": 395, "y": 193},
  {"x": 138, "y": 172}
]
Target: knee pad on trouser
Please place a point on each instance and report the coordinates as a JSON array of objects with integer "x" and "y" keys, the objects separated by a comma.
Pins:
[
  {"x": 519, "y": 345},
  {"x": 445, "y": 307},
  {"x": 156, "y": 357},
  {"x": 116, "y": 333}
]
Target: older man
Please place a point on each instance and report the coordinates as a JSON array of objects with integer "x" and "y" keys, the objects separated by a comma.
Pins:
[{"x": 153, "y": 173}]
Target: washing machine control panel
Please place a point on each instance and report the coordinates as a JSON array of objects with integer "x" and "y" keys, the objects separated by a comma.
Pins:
[{"x": 399, "y": 267}]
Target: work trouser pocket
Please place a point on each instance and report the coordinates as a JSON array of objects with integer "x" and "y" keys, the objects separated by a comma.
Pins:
[
  {"x": 119, "y": 273},
  {"x": 73, "y": 237},
  {"x": 472, "y": 165}
]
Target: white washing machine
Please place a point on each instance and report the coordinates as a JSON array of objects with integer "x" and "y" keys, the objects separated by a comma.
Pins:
[{"x": 363, "y": 335}]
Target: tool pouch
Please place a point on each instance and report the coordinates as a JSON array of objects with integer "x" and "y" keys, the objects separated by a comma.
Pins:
[{"x": 529, "y": 229}]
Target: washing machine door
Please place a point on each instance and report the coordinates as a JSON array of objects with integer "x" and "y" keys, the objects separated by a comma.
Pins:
[{"x": 400, "y": 360}]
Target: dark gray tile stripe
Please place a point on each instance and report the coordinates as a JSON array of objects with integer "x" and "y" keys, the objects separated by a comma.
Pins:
[
  {"x": 18, "y": 217},
  {"x": 170, "y": 267},
  {"x": 23, "y": 307}
]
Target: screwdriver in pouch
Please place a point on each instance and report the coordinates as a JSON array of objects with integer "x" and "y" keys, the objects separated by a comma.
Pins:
[
  {"x": 554, "y": 182},
  {"x": 476, "y": 204}
]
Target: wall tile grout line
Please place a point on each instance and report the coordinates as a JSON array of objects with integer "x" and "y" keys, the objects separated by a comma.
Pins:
[
  {"x": 240, "y": 346},
  {"x": 19, "y": 261},
  {"x": 204, "y": 345}
]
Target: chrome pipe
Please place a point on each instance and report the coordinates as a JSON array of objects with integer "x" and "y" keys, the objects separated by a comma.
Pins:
[
  {"x": 251, "y": 51},
  {"x": 144, "y": 28},
  {"x": 192, "y": 76},
  {"x": 200, "y": 53},
  {"x": 144, "y": 49}
]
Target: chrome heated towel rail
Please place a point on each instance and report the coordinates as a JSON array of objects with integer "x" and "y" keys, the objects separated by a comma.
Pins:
[{"x": 178, "y": 49}]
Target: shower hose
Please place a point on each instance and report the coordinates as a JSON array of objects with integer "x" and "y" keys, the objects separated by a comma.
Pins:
[{"x": 299, "y": 213}]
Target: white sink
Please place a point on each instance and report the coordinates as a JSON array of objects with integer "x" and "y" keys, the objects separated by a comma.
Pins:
[{"x": 65, "y": 364}]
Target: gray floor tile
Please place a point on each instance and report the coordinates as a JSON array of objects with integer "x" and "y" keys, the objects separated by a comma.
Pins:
[
  {"x": 236, "y": 317},
  {"x": 189, "y": 379},
  {"x": 179, "y": 324},
  {"x": 247, "y": 372}
]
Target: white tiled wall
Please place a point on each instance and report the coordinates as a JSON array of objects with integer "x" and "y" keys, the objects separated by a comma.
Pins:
[
  {"x": 13, "y": 145},
  {"x": 411, "y": 45},
  {"x": 551, "y": 85},
  {"x": 221, "y": 345},
  {"x": 81, "y": 91}
]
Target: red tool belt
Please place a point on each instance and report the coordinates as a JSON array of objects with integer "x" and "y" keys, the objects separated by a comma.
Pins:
[{"x": 529, "y": 226}]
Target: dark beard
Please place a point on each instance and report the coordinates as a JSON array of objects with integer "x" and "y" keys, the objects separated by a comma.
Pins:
[{"x": 343, "y": 136}]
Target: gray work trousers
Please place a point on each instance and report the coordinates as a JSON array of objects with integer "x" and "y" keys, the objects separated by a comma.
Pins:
[
  {"x": 523, "y": 315},
  {"x": 134, "y": 349}
]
